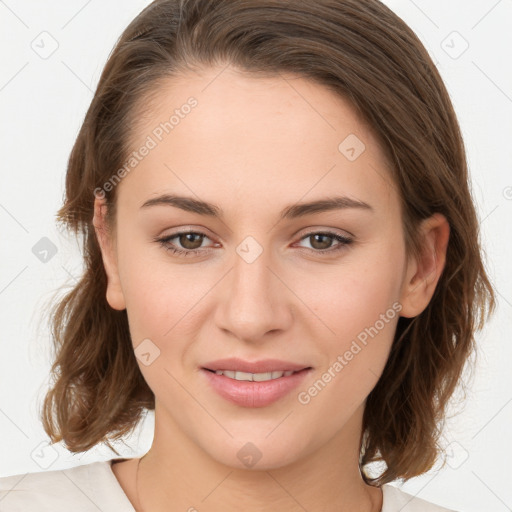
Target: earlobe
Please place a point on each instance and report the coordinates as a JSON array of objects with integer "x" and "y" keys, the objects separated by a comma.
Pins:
[
  {"x": 423, "y": 272},
  {"x": 114, "y": 293}
]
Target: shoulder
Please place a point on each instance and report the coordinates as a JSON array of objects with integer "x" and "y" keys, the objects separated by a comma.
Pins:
[
  {"x": 82, "y": 488},
  {"x": 394, "y": 500}
]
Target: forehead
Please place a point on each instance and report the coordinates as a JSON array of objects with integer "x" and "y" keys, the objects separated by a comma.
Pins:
[{"x": 277, "y": 138}]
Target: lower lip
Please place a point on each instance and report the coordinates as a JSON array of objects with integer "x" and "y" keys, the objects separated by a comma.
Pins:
[{"x": 254, "y": 394}]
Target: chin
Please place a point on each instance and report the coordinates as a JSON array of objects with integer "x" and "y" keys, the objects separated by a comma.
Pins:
[{"x": 256, "y": 452}]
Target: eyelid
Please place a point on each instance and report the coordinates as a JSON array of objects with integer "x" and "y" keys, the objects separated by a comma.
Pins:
[
  {"x": 186, "y": 229},
  {"x": 331, "y": 231}
]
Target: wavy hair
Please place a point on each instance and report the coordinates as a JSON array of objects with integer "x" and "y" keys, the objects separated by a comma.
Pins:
[{"x": 367, "y": 55}]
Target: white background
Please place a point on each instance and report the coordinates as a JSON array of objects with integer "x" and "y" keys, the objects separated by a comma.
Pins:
[{"x": 43, "y": 102}]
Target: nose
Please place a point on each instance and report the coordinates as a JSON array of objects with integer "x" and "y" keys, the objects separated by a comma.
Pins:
[{"x": 253, "y": 300}]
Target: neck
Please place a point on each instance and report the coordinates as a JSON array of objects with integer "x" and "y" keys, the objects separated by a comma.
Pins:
[{"x": 176, "y": 474}]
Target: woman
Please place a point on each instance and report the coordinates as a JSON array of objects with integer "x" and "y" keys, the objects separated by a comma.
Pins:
[{"x": 281, "y": 259}]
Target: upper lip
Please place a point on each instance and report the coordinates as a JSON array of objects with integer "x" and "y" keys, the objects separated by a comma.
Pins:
[{"x": 263, "y": 366}]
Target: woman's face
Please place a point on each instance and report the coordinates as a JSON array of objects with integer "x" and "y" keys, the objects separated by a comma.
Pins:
[{"x": 264, "y": 278}]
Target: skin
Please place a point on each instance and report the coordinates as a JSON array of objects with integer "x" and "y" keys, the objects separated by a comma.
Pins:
[{"x": 253, "y": 146}]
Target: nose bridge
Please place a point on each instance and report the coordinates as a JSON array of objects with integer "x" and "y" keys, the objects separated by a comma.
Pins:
[
  {"x": 251, "y": 277},
  {"x": 253, "y": 303}
]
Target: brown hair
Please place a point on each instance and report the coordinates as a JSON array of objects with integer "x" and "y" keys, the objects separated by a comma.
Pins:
[{"x": 365, "y": 53}]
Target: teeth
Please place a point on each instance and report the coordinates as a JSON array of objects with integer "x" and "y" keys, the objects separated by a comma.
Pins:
[{"x": 257, "y": 377}]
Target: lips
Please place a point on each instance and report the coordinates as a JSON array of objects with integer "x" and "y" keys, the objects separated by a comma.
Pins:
[
  {"x": 263, "y": 366},
  {"x": 258, "y": 389}
]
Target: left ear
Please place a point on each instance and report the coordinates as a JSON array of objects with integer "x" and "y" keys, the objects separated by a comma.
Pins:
[{"x": 423, "y": 272}]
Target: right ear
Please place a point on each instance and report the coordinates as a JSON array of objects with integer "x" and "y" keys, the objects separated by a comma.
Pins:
[{"x": 115, "y": 295}]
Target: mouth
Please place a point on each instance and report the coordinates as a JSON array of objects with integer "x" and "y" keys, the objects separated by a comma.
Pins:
[
  {"x": 256, "y": 377},
  {"x": 246, "y": 389}
]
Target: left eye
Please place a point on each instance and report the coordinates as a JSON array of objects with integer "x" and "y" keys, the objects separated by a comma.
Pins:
[
  {"x": 191, "y": 242},
  {"x": 326, "y": 238}
]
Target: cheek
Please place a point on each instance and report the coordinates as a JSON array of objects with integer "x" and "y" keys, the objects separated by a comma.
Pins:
[
  {"x": 157, "y": 309},
  {"x": 162, "y": 302},
  {"x": 363, "y": 320},
  {"x": 358, "y": 309},
  {"x": 159, "y": 295},
  {"x": 354, "y": 294}
]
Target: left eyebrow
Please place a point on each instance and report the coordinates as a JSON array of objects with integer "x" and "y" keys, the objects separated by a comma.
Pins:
[{"x": 294, "y": 211}]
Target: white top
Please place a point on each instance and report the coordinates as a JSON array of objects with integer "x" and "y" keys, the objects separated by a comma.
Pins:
[{"x": 94, "y": 487}]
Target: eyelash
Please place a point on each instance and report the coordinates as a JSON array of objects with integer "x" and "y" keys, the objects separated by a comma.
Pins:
[{"x": 165, "y": 241}]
